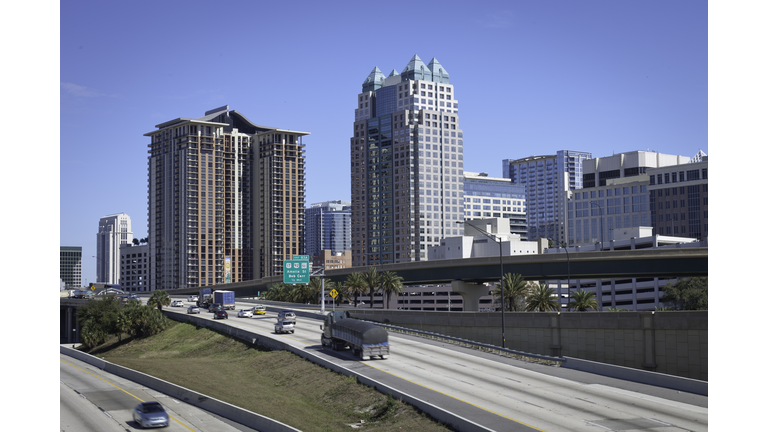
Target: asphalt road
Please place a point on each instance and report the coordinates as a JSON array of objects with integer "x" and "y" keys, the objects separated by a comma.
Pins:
[{"x": 499, "y": 393}]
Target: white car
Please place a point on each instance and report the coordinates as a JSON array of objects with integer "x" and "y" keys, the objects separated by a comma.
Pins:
[
  {"x": 285, "y": 327},
  {"x": 192, "y": 298},
  {"x": 177, "y": 303},
  {"x": 245, "y": 313}
]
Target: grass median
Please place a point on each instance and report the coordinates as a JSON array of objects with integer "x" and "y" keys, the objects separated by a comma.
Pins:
[{"x": 275, "y": 384}]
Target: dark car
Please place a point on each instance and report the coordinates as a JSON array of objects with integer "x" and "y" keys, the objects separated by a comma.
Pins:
[
  {"x": 214, "y": 307},
  {"x": 150, "y": 414},
  {"x": 220, "y": 314}
]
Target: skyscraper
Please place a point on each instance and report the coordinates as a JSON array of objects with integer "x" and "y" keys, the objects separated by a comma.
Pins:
[
  {"x": 547, "y": 180},
  {"x": 327, "y": 227},
  {"x": 114, "y": 231},
  {"x": 226, "y": 200},
  {"x": 490, "y": 197},
  {"x": 406, "y": 164}
]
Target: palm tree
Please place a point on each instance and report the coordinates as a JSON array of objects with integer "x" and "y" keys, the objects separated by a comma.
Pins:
[
  {"x": 371, "y": 279},
  {"x": 355, "y": 285},
  {"x": 515, "y": 290},
  {"x": 391, "y": 283},
  {"x": 542, "y": 299},
  {"x": 583, "y": 300},
  {"x": 159, "y": 299}
]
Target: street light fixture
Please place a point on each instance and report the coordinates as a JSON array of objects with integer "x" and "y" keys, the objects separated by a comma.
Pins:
[
  {"x": 601, "y": 223},
  {"x": 501, "y": 281}
]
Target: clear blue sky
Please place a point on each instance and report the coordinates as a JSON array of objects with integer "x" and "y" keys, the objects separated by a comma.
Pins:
[{"x": 531, "y": 77}]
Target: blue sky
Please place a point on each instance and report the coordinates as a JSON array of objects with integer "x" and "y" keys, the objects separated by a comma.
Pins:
[{"x": 530, "y": 77}]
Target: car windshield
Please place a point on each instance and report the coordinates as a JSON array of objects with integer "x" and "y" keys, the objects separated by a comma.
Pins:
[{"x": 153, "y": 408}]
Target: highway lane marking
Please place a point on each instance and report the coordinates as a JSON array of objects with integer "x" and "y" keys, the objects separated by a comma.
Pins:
[
  {"x": 121, "y": 389},
  {"x": 654, "y": 399},
  {"x": 453, "y": 397}
]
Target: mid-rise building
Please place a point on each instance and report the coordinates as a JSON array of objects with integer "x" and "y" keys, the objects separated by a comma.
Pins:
[
  {"x": 615, "y": 196},
  {"x": 328, "y": 227},
  {"x": 679, "y": 198},
  {"x": 406, "y": 164},
  {"x": 493, "y": 197},
  {"x": 114, "y": 231},
  {"x": 226, "y": 200},
  {"x": 546, "y": 180},
  {"x": 71, "y": 266},
  {"x": 134, "y": 267}
]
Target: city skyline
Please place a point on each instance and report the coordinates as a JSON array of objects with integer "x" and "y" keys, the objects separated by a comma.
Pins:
[{"x": 601, "y": 77}]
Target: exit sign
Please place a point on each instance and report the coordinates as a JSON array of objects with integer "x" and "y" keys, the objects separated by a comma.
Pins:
[{"x": 295, "y": 271}]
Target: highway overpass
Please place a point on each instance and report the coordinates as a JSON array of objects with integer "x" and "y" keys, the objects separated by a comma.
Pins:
[{"x": 643, "y": 263}]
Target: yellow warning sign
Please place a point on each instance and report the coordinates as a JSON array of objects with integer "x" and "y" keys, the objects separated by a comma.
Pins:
[{"x": 334, "y": 293}]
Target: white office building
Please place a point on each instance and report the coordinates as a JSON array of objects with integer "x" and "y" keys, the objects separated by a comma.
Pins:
[
  {"x": 474, "y": 243},
  {"x": 114, "y": 231}
]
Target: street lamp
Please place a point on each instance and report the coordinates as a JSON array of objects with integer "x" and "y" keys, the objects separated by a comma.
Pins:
[
  {"x": 601, "y": 223},
  {"x": 568, "y": 259},
  {"x": 501, "y": 281}
]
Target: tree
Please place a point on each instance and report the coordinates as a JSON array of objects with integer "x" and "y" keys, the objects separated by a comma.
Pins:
[
  {"x": 355, "y": 285},
  {"x": 98, "y": 319},
  {"x": 159, "y": 299},
  {"x": 615, "y": 309},
  {"x": 515, "y": 291},
  {"x": 583, "y": 300},
  {"x": 391, "y": 283},
  {"x": 542, "y": 299},
  {"x": 135, "y": 242},
  {"x": 371, "y": 279},
  {"x": 687, "y": 294}
]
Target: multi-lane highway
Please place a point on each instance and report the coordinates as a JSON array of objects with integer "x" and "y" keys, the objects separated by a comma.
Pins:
[
  {"x": 94, "y": 400},
  {"x": 499, "y": 393}
]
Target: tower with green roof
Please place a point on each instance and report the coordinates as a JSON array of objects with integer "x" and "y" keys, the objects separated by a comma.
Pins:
[{"x": 407, "y": 164}]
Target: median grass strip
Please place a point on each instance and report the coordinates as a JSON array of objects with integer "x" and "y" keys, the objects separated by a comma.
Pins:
[{"x": 276, "y": 384}]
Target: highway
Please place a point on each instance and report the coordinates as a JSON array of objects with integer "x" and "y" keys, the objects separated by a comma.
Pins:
[
  {"x": 499, "y": 393},
  {"x": 97, "y": 401}
]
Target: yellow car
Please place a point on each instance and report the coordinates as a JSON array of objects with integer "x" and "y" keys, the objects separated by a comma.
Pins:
[{"x": 259, "y": 310}]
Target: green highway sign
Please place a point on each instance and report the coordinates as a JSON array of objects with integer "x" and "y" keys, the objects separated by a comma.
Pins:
[
  {"x": 295, "y": 271},
  {"x": 301, "y": 257}
]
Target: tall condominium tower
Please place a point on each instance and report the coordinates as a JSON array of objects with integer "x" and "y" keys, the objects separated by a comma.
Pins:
[
  {"x": 547, "y": 180},
  {"x": 226, "y": 200},
  {"x": 328, "y": 228},
  {"x": 407, "y": 164},
  {"x": 114, "y": 231}
]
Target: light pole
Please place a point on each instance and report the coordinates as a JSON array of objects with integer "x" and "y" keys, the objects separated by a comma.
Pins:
[
  {"x": 601, "y": 223},
  {"x": 501, "y": 281},
  {"x": 568, "y": 259}
]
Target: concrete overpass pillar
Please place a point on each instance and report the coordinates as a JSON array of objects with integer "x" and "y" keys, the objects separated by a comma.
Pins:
[{"x": 471, "y": 294}]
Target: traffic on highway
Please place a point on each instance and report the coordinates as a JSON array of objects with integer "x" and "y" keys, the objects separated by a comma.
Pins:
[{"x": 496, "y": 392}]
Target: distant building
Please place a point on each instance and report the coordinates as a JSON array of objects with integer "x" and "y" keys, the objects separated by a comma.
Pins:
[
  {"x": 679, "y": 198},
  {"x": 328, "y": 226},
  {"x": 475, "y": 244},
  {"x": 493, "y": 197},
  {"x": 71, "y": 266},
  {"x": 134, "y": 267},
  {"x": 547, "y": 180},
  {"x": 114, "y": 231}
]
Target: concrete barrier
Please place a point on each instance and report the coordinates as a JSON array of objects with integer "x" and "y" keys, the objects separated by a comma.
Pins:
[
  {"x": 636, "y": 375},
  {"x": 224, "y": 409}
]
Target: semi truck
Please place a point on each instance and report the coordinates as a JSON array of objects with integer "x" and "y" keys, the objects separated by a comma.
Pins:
[
  {"x": 365, "y": 339},
  {"x": 225, "y": 298},
  {"x": 205, "y": 298}
]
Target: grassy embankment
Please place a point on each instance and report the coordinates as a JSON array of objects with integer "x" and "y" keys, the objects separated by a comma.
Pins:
[{"x": 276, "y": 384}]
